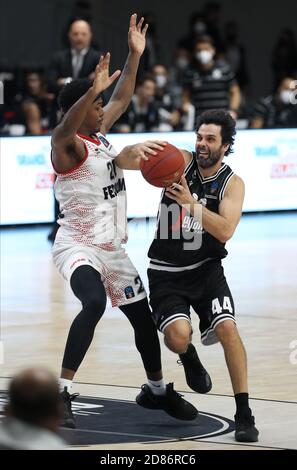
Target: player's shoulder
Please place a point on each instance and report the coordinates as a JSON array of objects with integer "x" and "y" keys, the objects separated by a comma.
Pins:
[
  {"x": 235, "y": 185},
  {"x": 187, "y": 156}
]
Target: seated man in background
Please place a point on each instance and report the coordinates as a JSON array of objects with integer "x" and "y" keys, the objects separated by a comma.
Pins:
[
  {"x": 33, "y": 413},
  {"x": 278, "y": 109}
]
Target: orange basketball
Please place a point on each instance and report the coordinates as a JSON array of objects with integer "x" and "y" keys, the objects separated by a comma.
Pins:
[{"x": 164, "y": 168}]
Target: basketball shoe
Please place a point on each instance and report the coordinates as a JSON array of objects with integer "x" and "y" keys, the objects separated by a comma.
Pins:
[
  {"x": 197, "y": 377},
  {"x": 172, "y": 403},
  {"x": 245, "y": 429},
  {"x": 68, "y": 420}
]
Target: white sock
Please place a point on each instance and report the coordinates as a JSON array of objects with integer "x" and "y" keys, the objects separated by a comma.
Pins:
[
  {"x": 65, "y": 383},
  {"x": 158, "y": 387}
]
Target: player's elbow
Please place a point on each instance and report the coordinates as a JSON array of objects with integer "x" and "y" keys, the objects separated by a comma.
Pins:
[{"x": 225, "y": 235}]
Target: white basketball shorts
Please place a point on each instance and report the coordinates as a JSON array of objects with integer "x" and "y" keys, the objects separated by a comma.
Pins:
[{"x": 121, "y": 280}]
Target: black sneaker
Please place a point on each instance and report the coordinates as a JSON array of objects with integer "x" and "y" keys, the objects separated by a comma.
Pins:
[
  {"x": 197, "y": 377},
  {"x": 245, "y": 429},
  {"x": 68, "y": 420},
  {"x": 172, "y": 403}
]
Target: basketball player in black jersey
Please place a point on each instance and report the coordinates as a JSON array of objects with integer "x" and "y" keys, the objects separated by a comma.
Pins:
[{"x": 196, "y": 218}]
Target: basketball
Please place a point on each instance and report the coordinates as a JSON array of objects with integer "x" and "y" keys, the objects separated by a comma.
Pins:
[{"x": 164, "y": 168}]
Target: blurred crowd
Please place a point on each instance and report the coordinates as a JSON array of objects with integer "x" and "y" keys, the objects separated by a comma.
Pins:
[{"x": 209, "y": 70}]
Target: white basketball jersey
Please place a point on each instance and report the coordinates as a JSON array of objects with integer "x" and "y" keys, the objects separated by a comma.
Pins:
[{"x": 92, "y": 198}]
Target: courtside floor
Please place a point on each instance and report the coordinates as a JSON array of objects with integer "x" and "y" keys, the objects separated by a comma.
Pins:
[{"x": 37, "y": 308}]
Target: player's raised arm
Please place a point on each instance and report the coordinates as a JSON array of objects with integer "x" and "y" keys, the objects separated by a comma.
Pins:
[
  {"x": 64, "y": 141},
  {"x": 124, "y": 90}
]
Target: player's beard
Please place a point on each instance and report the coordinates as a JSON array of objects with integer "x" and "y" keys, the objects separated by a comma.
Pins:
[{"x": 213, "y": 158}]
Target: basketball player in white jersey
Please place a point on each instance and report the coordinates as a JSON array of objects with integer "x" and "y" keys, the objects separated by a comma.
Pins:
[{"x": 90, "y": 188}]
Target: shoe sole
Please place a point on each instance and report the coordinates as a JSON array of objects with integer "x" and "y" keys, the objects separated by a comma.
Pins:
[{"x": 243, "y": 438}]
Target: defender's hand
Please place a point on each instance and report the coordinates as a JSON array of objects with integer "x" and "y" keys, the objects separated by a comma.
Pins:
[
  {"x": 136, "y": 35},
  {"x": 102, "y": 79}
]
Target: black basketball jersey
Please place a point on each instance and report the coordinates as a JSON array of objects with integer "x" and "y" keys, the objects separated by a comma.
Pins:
[{"x": 180, "y": 241}]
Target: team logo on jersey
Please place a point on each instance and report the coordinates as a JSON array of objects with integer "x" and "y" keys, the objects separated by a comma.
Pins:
[
  {"x": 129, "y": 292},
  {"x": 214, "y": 186},
  {"x": 104, "y": 141}
]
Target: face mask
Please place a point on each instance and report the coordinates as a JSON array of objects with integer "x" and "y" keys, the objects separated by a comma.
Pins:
[
  {"x": 285, "y": 96},
  {"x": 182, "y": 63},
  {"x": 161, "y": 81},
  {"x": 204, "y": 56},
  {"x": 199, "y": 27}
]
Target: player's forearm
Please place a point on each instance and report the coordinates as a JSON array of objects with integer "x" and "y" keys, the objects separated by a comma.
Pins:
[
  {"x": 126, "y": 161},
  {"x": 126, "y": 85},
  {"x": 213, "y": 223}
]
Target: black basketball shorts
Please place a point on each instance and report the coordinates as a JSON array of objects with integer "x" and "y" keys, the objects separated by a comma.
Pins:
[{"x": 205, "y": 289}]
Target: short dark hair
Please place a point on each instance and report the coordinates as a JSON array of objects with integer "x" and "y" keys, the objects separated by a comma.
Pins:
[
  {"x": 146, "y": 77},
  {"x": 221, "y": 118},
  {"x": 72, "y": 92},
  {"x": 32, "y": 401},
  {"x": 204, "y": 38}
]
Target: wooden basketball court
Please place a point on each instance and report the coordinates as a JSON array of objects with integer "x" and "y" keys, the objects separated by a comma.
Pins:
[{"x": 37, "y": 309}]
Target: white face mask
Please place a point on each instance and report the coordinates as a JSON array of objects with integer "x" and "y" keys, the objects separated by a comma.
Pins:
[
  {"x": 182, "y": 63},
  {"x": 161, "y": 81},
  {"x": 204, "y": 56},
  {"x": 285, "y": 96}
]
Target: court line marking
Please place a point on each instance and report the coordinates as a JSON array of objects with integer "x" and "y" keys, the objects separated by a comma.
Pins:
[{"x": 183, "y": 391}]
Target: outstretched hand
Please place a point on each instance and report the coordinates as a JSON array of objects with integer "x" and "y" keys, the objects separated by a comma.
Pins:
[
  {"x": 136, "y": 34},
  {"x": 102, "y": 78},
  {"x": 145, "y": 149}
]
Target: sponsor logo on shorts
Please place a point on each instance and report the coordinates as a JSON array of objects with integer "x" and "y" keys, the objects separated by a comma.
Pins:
[{"x": 129, "y": 292}]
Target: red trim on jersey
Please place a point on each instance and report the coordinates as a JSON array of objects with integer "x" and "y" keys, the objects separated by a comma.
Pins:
[
  {"x": 68, "y": 172},
  {"x": 97, "y": 142}
]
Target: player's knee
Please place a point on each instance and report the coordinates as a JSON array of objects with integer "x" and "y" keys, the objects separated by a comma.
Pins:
[
  {"x": 226, "y": 331},
  {"x": 95, "y": 304},
  {"x": 177, "y": 337}
]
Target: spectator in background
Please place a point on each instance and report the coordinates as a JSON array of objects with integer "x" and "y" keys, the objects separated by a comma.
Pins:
[
  {"x": 235, "y": 54},
  {"x": 185, "y": 120},
  {"x": 33, "y": 413},
  {"x": 77, "y": 61},
  {"x": 212, "y": 84},
  {"x": 279, "y": 109},
  {"x": 284, "y": 56},
  {"x": 142, "y": 114},
  {"x": 212, "y": 17},
  {"x": 163, "y": 98},
  {"x": 35, "y": 104},
  {"x": 197, "y": 28},
  {"x": 177, "y": 73}
]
